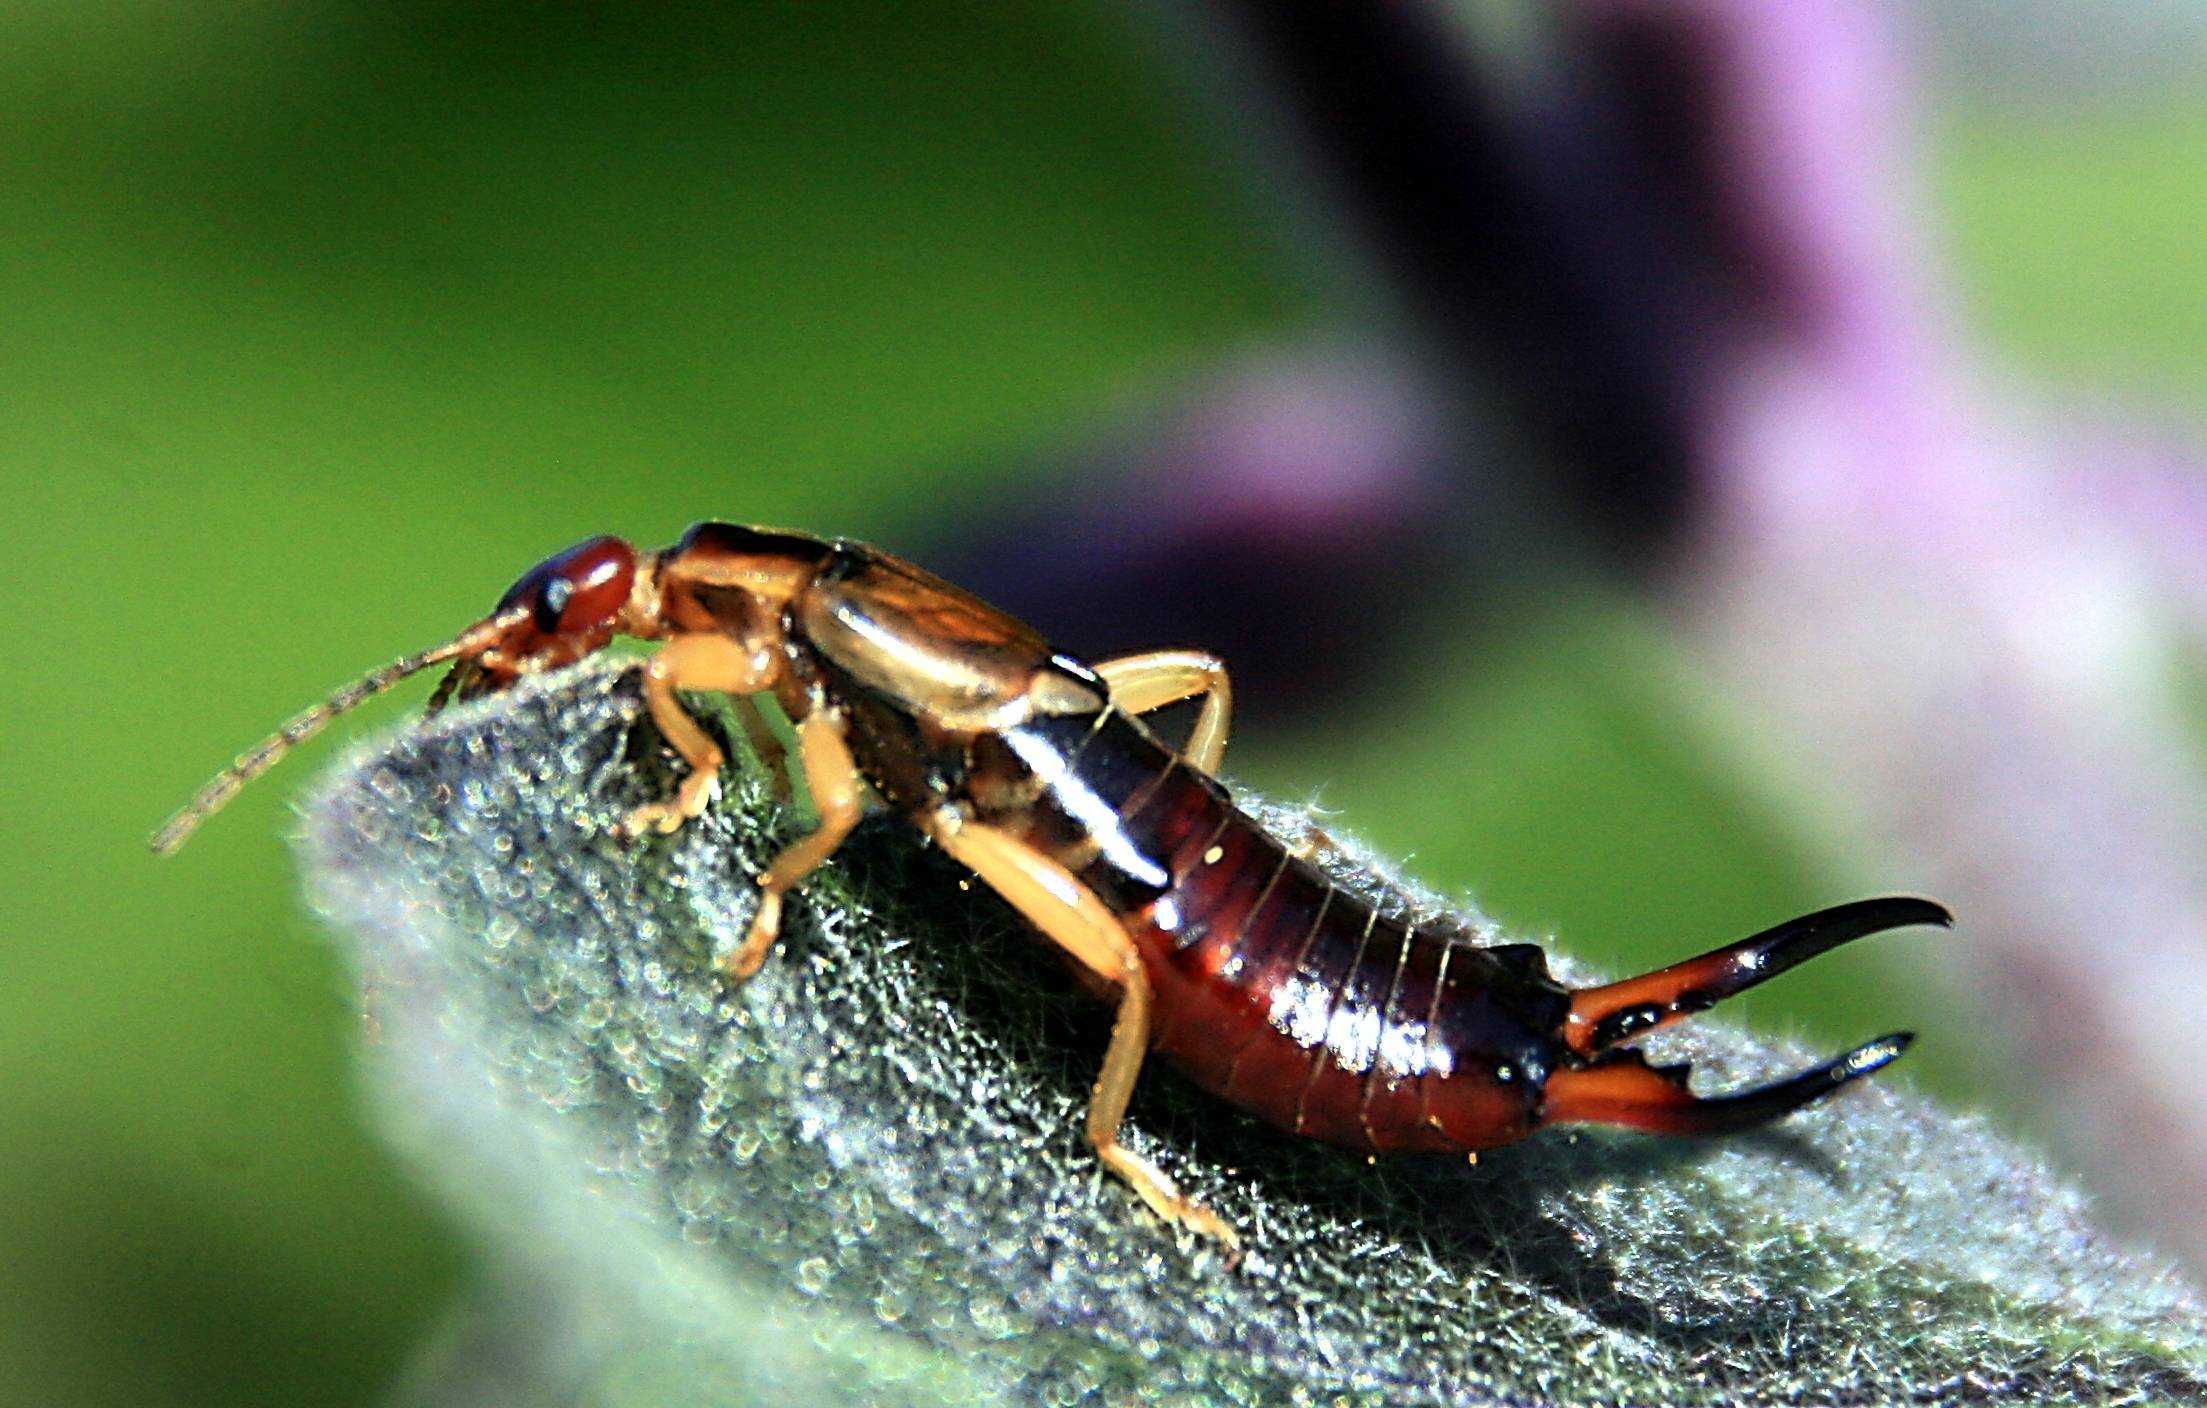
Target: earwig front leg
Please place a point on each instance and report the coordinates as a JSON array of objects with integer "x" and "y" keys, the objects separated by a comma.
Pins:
[
  {"x": 1153, "y": 679},
  {"x": 701, "y": 661},
  {"x": 832, "y": 777},
  {"x": 1070, "y": 915}
]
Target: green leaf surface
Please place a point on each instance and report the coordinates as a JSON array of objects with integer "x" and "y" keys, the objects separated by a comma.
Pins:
[{"x": 860, "y": 1177}]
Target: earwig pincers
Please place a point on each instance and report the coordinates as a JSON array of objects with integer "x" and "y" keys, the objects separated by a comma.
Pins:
[{"x": 1224, "y": 950}]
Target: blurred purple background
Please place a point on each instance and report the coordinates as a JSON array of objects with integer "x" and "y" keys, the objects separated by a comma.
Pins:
[{"x": 1648, "y": 291}]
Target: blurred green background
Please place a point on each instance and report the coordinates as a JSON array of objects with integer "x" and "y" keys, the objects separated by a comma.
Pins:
[{"x": 320, "y": 321}]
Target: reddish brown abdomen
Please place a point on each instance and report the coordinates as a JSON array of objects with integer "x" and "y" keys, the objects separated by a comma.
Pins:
[{"x": 1276, "y": 989}]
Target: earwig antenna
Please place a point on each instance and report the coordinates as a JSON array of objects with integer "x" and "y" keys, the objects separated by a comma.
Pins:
[{"x": 263, "y": 755}]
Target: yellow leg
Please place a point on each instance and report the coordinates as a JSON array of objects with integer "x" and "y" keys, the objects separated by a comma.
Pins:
[
  {"x": 833, "y": 779},
  {"x": 1069, "y": 914},
  {"x": 1140, "y": 683},
  {"x": 701, "y": 661}
]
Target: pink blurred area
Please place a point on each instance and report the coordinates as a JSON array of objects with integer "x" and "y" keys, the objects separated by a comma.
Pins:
[{"x": 1949, "y": 611}]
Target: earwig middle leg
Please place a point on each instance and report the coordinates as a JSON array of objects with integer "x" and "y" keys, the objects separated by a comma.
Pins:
[
  {"x": 1153, "y": 679},
  {"x": 1070, "y": 915},
  {"x": 700, "y": 661},
  {"x": 768, "y": 749},
  {"x": 832, "y": 777}
]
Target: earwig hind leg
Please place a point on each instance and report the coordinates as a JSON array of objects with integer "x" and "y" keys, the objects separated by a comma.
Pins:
[
  {"x": 701, "y": 661},
  {"x": 1071, "y": 916},
  {"x": 1603, "y": 1016},
  {"x": 832, "y": 777},
  {"x": 1623, "y": 1089},
  {"x": 1153, "y": 679}
]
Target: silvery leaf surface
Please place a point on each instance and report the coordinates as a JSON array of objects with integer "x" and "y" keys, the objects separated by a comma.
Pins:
[{"x": 860, "y": 1178}]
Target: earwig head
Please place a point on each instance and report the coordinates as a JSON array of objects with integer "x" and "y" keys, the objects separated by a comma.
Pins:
[
  {"x": 572, "y": 603},
  {"x": 561, "y": 610}
]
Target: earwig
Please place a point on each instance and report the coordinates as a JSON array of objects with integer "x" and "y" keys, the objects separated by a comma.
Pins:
[{"x": 1233, "y": 956}]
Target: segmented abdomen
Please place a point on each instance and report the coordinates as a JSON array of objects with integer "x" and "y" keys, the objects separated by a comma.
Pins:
[{"x": 1275, "y": 988}]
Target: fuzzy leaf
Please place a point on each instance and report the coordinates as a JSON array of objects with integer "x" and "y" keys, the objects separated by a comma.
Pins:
[{"x": 860, "y": 1178}]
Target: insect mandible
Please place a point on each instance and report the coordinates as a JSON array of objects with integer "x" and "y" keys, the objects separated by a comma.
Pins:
[{"x": 1224, "y": 949}]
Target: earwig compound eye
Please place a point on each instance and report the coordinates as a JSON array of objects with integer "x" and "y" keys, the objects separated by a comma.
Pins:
[{"x": 551, "y": 602}]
